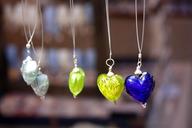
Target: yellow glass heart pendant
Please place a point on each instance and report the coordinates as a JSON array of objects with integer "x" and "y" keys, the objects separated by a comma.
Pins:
[
  {"x": 76, "y": 81},
  {"x": 111, "y": 86}
]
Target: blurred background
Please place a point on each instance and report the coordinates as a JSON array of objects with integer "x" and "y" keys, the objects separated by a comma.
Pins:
[{"x": 167, "y": 55}]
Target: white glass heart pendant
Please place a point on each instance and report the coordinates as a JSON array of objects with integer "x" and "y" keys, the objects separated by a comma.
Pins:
[
  {"x": 40, "y": 85},
  {"x": 29, "y": 70}
]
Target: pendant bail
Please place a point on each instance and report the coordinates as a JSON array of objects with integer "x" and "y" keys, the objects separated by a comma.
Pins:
[
  {"x": 75, "y": 61},
  {"x": 110, "y": 63},
  {"x": 140, "y": 55},
  {"x": 139, "y": 64},
  {"x": 28, "y": 45}
]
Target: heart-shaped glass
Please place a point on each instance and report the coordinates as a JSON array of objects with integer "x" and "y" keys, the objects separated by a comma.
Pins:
[
  {"x": 29, "y": 70},
  {"x": 111, "y": 87},
  {"x": 76, "y": 81},
  {"x": 140, "y": 87},
  {"x": 41, "y": 85}
]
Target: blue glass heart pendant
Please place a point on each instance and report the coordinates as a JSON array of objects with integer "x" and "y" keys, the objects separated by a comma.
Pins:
[{"x": 140, "y": 87}]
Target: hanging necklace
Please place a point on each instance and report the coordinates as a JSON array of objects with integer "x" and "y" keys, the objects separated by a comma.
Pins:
[
  {"x": 140, "y": 85},
  {"x": 110, "y": 84},
  {"x": 77, "y": 75},
  {"x": 30, "y": 69}
]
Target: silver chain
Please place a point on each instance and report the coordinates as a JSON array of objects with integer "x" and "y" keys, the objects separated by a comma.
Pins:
[
  {"x": 73, "y": 33},
  {"x": 140, "y": 43},
  {"x": 108, "y": 28},
  {"x": 109, "y": 62},
  {"x": 31, "y": 34}
]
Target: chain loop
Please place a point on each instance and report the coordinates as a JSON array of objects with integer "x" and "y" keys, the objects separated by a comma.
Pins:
[{"x": 110, "y": 62}]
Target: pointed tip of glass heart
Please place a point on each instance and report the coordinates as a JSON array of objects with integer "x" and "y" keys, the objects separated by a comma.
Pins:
[
  {"x": 115, "y": 102},
  {"x": 144, "y": 106},
  {"x": 42, "y": 98},
  {"x": 74, "y": 96}
]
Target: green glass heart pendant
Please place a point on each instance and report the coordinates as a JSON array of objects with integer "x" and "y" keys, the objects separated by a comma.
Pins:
[
  {"x": 76, "y": 81},
  {"x": 111, "y": 86},
  {"x": 29, "y": 70},
  {"x": 40, "y": 85}
]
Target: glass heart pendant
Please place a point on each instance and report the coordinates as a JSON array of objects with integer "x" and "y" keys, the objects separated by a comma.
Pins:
[
  {"x": 29, "y": 70},
  {"x": 140, "y": 87},
  {"x": 41, "y": 85},
  {"x": 76, "y": 81},
  {"x": 111, "y": 86}
]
